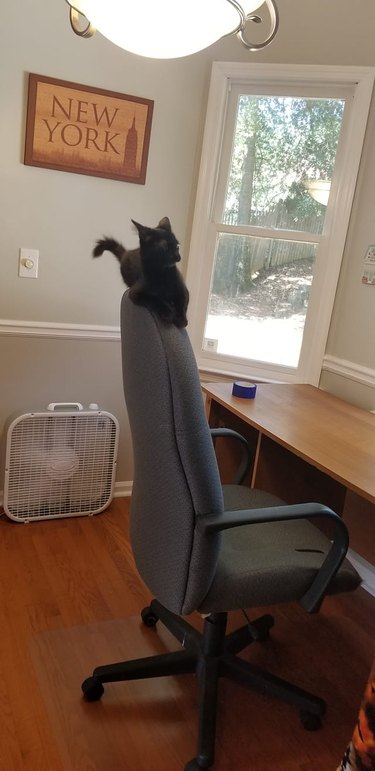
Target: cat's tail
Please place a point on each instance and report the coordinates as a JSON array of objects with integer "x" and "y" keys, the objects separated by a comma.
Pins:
[{"x": 108, "y": 245}]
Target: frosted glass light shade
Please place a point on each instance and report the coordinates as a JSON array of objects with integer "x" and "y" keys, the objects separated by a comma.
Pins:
[{"x": 164, "y": 29}]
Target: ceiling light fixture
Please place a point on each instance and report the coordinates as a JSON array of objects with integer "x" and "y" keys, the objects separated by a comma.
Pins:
[
  {"x": 168, "y": 29},
  {"x": 319, "y": 189}
]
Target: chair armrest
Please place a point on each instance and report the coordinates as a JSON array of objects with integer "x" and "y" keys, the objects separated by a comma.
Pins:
[
  {"x": 246, "y": 455},
  {"x": 314, "y": 596}
]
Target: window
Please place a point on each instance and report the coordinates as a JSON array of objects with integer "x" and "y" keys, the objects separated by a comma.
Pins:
[{"x": 279, "y": 163}]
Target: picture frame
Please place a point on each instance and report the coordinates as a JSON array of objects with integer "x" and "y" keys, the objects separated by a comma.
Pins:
[{"x": 87, "y": 130}]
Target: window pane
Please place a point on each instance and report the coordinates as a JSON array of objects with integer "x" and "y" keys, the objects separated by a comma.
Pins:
[
  {"x": 259, "y": 295},
  {"x": 280, "y": 146}
]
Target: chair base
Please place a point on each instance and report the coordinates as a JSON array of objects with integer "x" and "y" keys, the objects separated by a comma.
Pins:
[{"x": 210, "y": 655}]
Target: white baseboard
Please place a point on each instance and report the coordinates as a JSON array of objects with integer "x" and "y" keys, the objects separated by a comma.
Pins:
[
  {"x": 122, "y": 490},
  {"x": 365, "y": 569}
]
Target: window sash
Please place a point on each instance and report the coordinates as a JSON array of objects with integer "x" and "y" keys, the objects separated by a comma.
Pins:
[{"x": 228, "y": 79}]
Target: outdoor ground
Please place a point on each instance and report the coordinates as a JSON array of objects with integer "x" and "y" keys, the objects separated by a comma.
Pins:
[
  {"x": 265, "y": 324},
  {"x": 277, "y": 292}
]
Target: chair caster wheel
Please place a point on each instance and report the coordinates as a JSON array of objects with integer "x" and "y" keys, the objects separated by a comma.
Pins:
[
  {"x": 310, "y": 722},
  {"x": 148, "y": 617},
  {"x": 92, "y": 689},
  {"x": 260, "y": 628},
  {"x": 265, "y": 625},
  {"x": 261, "y": 635}
]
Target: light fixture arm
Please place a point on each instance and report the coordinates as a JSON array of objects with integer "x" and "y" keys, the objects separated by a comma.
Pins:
[
  {"x": 86, "y": 29},
  {"x": 74, "y": 17},
  {"x": 241, "y": 30}
]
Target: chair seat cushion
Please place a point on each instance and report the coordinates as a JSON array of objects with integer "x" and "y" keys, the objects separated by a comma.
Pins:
[{"x": 293, "y": 550}]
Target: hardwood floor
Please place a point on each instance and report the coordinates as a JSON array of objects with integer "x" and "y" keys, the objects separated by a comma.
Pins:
[{"x": 70, "y": 599}]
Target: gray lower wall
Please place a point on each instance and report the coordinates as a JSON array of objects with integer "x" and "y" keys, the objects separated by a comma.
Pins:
[{"x": 40, "y": 371}]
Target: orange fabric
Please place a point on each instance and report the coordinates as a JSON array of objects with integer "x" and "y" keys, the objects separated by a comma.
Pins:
[{"x": 360, "y": 754}]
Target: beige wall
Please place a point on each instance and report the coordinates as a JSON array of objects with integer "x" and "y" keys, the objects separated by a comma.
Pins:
[{"x": 62, "y": 214}]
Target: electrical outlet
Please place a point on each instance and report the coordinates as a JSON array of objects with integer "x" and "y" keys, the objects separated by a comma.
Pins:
[
  {"x": 210, "y": 344},
  {"x": 28, "y": 263}
]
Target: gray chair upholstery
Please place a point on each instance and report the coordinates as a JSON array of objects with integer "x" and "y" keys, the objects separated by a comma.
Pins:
[{"x": 202, "y": 547}]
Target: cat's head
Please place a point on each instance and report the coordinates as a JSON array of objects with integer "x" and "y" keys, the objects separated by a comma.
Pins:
[{"x": 158, "y": 246}]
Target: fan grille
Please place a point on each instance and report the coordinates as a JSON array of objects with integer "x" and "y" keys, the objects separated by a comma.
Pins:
[{"x": 60, "y": 465}]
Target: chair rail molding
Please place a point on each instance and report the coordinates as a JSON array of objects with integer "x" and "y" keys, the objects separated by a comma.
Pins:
[
  {"x": 343, "y": 367},
  {"x": 64, "y": 330},
  {"x": 58, "y": 330},
  {"x": 349, "y": 370}
]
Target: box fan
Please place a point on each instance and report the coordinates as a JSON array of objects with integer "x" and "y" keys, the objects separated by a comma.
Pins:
[{"x": 60, "y": 463}]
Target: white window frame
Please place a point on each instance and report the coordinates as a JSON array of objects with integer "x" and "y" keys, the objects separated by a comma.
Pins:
[{"x": 360, "y": 82}]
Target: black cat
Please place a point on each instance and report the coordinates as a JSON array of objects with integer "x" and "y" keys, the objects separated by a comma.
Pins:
[
  {"x": 129, "y": 259},
  {"x": 151, "y": 273}
]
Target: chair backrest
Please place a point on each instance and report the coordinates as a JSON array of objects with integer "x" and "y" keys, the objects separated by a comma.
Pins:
[{"x": 176, "y": 476}]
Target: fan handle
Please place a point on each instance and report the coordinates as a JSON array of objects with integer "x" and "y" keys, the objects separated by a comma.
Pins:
[{"x": 64, "y": 406}]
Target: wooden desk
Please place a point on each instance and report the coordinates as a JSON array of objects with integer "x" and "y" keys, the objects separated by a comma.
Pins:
[{"x": 308, "y": 445}]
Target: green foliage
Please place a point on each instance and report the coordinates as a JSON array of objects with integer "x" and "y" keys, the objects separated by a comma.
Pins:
[{"x": 280, "y": 142}]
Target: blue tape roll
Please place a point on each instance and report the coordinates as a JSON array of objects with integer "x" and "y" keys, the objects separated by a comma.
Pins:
[{"x": 244, "y": 390}]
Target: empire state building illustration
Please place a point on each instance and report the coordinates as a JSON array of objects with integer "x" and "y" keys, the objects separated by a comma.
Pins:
[{"x": 130, "y": 154}]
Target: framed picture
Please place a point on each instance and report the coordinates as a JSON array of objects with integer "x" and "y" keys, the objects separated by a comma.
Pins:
[{"x": 87, "y": 130}]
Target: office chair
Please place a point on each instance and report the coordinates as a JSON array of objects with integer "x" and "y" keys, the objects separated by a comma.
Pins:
[{"x": 202, "y": 547}]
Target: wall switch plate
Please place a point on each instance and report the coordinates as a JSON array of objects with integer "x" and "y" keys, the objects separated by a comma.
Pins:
[{"x": 28, "y": 263}]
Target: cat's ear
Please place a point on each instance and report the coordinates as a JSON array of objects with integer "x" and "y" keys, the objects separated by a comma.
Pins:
[
  {"x": 137, "y": 225},
  {"x": 143, "y": 231},
  {"x": 165, "y": 224}
]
